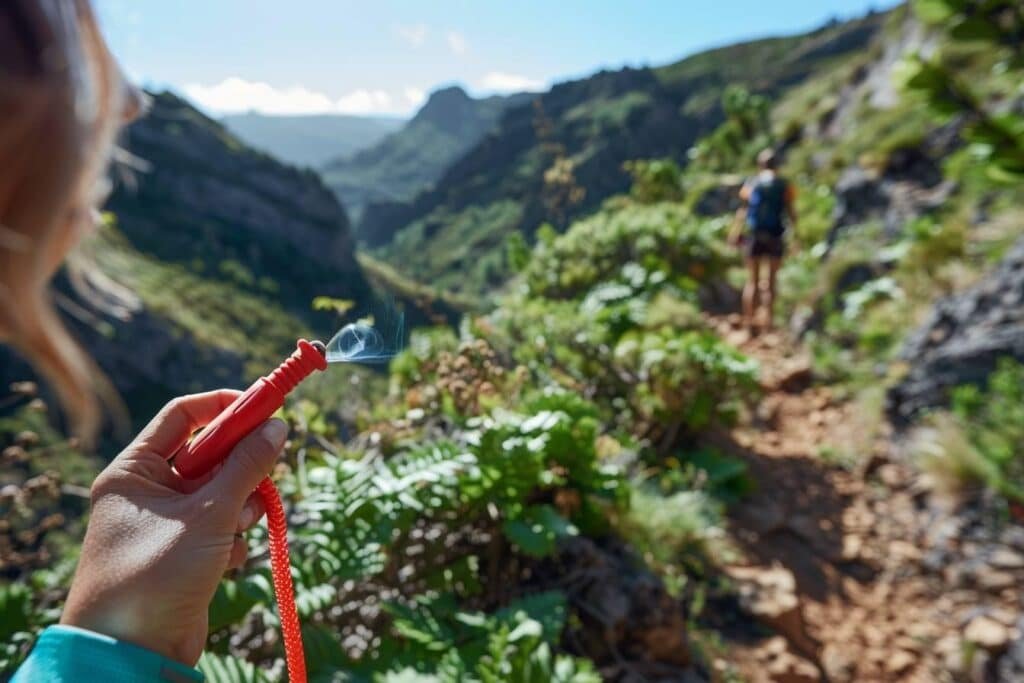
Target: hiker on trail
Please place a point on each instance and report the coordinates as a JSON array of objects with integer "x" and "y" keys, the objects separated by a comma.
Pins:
[
  {"x": 769, "y": 202},
  {"x": 156, "y": 545}
]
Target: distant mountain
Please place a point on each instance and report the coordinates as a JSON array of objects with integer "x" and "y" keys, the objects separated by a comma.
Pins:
[
  {"x": 453, "y": 234},
  {"x": 413, "y": 158},
  {"x": 310, "y": 140}
]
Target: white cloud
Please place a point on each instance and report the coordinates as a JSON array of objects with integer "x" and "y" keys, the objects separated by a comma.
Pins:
[
  {"x": 234, "y": 95},
  {"x": 506, "y": 82},
  {"x": 364, "y": 102},
  {"x": 413, "y": 34},
  {"x": 238, "y": 95},
  {"x": 457, "y": 42}
]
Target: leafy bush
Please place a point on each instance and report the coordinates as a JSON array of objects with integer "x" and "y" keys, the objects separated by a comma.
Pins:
[
  {"x": 611, "y": 309},
  {"x": 629, "y": 244},
  {"x": 672, "y": 530},
  {"x": 655, "y": 180},
  {"x": 993, "y": 419},
  {"x": 432, "y": 530},
  {"x": 690, "y": 379},
  {"x": 929, "y": 245},
  {"x": 979, "y": 440}
]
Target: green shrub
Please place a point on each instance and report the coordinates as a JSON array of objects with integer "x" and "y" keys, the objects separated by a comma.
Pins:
[
  {"x": 978, "y": 441},
  {"x": 689, "y": 379},
  {"x": 662, "y": 239},
  {"x": 993, "y": 419},
  {"x": 655, "y": 180},
  {"x": 611, "y": 309}
]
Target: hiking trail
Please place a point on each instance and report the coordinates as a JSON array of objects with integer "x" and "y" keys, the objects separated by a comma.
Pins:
[{"x": 850, "y": 566}]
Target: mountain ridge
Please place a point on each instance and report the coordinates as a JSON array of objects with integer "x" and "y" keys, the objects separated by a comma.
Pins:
[{"x": 412, "y": 158}]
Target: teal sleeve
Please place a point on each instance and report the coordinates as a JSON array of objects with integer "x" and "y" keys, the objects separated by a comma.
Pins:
[{"x": 66, "y": 653}]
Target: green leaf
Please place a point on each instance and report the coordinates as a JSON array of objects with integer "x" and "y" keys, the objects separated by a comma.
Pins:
[
  {"x": 936, "y": 11},
  {"x": 529, "y": 628},
  {"x": 229, "y": 669},
  {"x": 234, "y": 599},
  {"x": 1003, "y": 174},
  {"x": 15, "y": 610},
  {"x": 323, "y": 651},
  {"x": 537, "y": 531},
  {"x": 975, "y": 28},
  {"x": 724, "y": 474}
]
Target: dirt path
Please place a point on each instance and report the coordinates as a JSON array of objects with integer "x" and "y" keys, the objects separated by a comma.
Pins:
[{"x": 854, "y": 569}]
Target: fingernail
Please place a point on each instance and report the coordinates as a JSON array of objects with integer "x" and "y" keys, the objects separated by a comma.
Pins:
[{"x": 275, "y": 432}]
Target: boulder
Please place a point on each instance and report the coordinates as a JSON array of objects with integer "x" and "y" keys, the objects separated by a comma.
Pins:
[
  {"x": 962, "y": 340},
  {"x": 987, "y": 633}
]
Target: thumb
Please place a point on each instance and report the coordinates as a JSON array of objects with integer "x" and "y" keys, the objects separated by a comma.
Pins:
[{"x": 249, "y": 462}]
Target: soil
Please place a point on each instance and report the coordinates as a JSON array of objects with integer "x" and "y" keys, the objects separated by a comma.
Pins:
[{"x": 862, "y": 572}]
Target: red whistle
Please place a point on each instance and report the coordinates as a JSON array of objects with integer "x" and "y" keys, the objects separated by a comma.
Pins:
[
  {"x": 215, "y": 442},
  {"x": 249, "y": 411}
]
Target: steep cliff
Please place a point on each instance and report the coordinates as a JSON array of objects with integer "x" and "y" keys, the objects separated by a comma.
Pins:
[
  {"x": 208, "y": 264},
  {"x": 204, "y": 198}
]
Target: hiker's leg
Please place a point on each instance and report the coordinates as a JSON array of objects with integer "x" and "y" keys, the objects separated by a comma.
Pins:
[
  {"x": 750, "y": 291},
  {"x": 769, "y": 296}
]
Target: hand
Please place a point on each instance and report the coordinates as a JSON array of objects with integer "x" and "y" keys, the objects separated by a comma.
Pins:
[{"x": 158, "y": 544}]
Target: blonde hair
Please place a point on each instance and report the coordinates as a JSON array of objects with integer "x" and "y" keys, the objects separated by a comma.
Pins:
[{"x": 62, "y": 100}]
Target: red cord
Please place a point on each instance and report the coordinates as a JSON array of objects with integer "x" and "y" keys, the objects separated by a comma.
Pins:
[{"x": 280, "y": 568}]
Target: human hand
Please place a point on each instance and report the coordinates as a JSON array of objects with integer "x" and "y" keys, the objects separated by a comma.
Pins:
[{"x": 158, "y": 544}]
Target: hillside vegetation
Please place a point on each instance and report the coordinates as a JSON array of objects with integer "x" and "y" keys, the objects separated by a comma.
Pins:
[
  {"x": 561, "y": 154},
  {"x": 413, "y": 158},
  {"x": 598, "y": 473}
]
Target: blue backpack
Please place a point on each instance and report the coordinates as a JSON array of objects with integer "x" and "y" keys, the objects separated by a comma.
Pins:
[{"x": 766, "y": 206}]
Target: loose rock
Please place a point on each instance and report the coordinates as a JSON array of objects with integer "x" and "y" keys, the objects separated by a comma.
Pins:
[{"x": 987, "y": 633}]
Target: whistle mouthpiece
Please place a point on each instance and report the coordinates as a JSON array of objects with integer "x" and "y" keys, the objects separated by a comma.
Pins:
[
  {"x": 307, "y": 357},
  {"x": 250, "y": 410}
]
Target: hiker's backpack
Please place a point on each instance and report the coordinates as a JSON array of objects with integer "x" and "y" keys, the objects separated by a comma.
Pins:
[{"x": 766, "y": 206}]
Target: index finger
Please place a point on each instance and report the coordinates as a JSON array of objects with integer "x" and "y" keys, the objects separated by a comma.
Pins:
[{"x": 176, "y": 421}]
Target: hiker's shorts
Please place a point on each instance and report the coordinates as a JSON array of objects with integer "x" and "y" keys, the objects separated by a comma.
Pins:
[{"x": 765, "y": 245}]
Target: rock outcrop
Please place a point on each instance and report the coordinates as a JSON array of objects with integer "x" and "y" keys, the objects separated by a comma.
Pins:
[
  {"x": 188, "y": 193},
  {"x": 910, "y": 186},
  {"x": 962, "y": 340},
  {"x": 196, "y": 194}
]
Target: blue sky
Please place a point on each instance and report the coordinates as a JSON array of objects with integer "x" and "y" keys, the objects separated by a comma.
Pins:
[{"x": 383, "y": 57}]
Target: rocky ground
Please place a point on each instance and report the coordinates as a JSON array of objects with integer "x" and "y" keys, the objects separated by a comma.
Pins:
[{"x": 865, "y": 572}]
